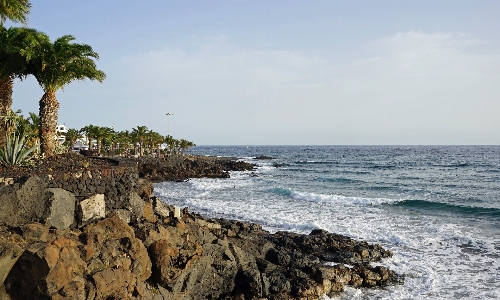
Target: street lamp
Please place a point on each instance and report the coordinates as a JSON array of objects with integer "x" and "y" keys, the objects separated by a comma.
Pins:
[{"x": 168, "y": 116}]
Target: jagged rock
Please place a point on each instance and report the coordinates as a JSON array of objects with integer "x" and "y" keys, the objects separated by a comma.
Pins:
[
  {"x": 123, "y": 214},
  {"x": 135, "y": 204},
  {"x": 263, "y": 157},
  {"x": 148, "y": 213},
  {"x": 9, "y": 254},
  {"x": 22, "y": 202},
  {"x": 111, "y": 243},
  {"x": 161, "y": 209},
  {"x": 180, "y": 168},
  {"x": 35, "y": 232},
  {"x": 59, "y": 208},
  {"x": 44, "y": 269},
  {"x": 114, "y": 284},
  {"x": 91, "y": 209},
  {"x": 278, "y": 257},
  {"x": 191, "y": 257},
  {"x": 145, "y": 188}
]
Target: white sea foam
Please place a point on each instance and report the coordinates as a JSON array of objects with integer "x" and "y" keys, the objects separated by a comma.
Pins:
[{"x": 440, "y": 258}]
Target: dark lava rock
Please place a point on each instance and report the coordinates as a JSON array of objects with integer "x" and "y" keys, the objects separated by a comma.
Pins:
[
  {"x": 263, "y": 157},
  {"x": 182, "y": 167}
]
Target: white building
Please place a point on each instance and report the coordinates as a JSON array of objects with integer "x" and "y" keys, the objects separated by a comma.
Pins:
[{"x": 61, "y": 130}]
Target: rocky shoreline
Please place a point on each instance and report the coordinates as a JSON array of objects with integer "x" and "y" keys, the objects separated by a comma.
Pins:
[
  {"x": 147, "y": 249},
  {"x": 182, "y": 167}
]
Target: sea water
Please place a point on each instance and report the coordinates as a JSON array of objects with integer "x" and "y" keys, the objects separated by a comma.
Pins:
[{"x": 437, "y": 208}]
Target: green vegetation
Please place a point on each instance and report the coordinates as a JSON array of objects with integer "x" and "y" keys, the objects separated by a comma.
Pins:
[
  {"x": 18, "y": 46},
  {"x": 58, "y": 64},
  {"x": 14, "y": 10},
  {"x": 24, "y": 52},
  {"x": 140, "y": 141},
  {"x": 19, "y": 142}
]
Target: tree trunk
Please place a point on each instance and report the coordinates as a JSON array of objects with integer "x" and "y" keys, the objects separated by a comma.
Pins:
[
  {"x": 49, "y": 108},
  {"x": 98, "y": 147},
  {"x": 6, "y": 85}
]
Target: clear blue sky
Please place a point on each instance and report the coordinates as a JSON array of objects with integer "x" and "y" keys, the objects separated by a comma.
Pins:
[{"x": 284, "y": 72}]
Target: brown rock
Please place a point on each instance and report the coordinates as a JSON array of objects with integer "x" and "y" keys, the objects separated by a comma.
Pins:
[
  {"x": 164, "y": 266},
  {"x": 63, "y": 259},
  {"x": 356, "y": 280},
  {"x": 149, "y": 214},
  {"x": 44, "y": 269},
  {"x": 9, "y": 254},
  {"x": 35, "y": 232},
  {"x": 113, "y": 284},
  {"x": 110, "y": 228},
  {"x": 141, "y": 263}
]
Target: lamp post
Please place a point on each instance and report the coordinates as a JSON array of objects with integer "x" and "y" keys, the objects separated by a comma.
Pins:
[{"x": 168, "y": 116}]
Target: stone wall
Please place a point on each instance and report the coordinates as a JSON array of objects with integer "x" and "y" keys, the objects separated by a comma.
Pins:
[{"x": 116, "y": 183}]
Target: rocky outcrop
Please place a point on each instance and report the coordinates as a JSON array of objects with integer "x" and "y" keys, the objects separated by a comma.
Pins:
[
  {"x": 59, "y": 247},
  {"x": 261, "y": 157},
  {"x": 182, "y": 167}
]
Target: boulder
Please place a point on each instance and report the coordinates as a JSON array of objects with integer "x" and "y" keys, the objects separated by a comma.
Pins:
[
  {"x": 161, "y": 209},
  {"x": 134, "y": 203},
  {"x": 23, "y": 202},
  {"x": 90, "y": 210},
  {"x": 9, "y": 254},
  {"x": 44, "y": 269},
  {"x": 114, "y": 284},
  {"x": 60, "y": 208},
  {"x": 111, "y": 243}
]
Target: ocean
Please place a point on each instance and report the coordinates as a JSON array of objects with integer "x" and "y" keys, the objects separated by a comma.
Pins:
[{"x": 437, "y": 208}]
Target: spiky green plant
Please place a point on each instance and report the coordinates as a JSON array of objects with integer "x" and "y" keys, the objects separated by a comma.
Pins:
[{"x": 15, "y": 152}]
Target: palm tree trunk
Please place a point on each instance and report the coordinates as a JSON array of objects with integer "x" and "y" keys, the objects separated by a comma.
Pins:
[
  {"x": 49, "y": 108},
  {"x": 6, "y": 85}
]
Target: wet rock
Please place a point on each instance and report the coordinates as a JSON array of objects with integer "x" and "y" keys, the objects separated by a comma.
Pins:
[{"x": 263, "y": 157}]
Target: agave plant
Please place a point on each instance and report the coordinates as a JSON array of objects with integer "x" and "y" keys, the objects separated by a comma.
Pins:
[{"x": 15, "y": 152}]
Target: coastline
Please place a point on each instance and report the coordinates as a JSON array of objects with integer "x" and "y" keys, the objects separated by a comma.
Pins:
[{"x": 141, "y": 251}]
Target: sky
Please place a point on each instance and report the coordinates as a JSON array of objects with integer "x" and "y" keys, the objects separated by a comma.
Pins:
[{"x": 283, "y": 72}]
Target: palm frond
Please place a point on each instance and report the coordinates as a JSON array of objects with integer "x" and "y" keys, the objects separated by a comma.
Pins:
[{"x": 14, "y": 10}]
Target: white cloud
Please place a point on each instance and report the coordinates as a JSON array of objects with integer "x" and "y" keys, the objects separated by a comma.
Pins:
[{"x": 411, "y": 87}]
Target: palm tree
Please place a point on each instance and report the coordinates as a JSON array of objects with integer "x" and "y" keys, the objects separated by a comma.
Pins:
[
  {"x": 171, "y": 143},
  {"x": 17, "y": 47},
  {"x": 32, "y": 132},
  {"x": 100, "y": 134},
  {"x": 71, "y": 137},
  {"x": 123, "y": 139},
  {"x": 185, "y": 144},
  {"x": 153, "y": 140},
  {"x": 140, "y": 133},
  {"x": 59, "y": 64},
  {"x": 14, "y": 10}
]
